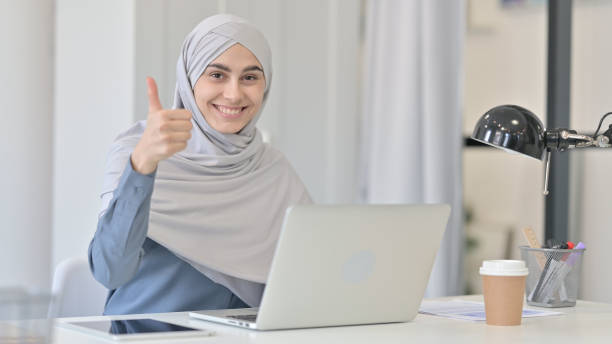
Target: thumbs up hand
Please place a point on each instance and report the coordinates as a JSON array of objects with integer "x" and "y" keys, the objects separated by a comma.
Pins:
[{"x": 166, "y": 133}]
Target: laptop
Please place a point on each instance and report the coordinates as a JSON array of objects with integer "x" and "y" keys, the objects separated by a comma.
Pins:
[{"x": 345, "y": 265}]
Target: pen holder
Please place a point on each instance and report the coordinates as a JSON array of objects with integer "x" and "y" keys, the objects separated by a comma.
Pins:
[
  {"x": 553, "y": 276},
  {"x": 23, "y": 316}
]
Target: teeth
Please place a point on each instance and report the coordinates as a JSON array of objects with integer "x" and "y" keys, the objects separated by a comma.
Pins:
[{"x": 229, "y": 111}]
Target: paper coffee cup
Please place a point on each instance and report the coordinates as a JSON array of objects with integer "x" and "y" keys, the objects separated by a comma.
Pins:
[{"x": 503, "y": 284}]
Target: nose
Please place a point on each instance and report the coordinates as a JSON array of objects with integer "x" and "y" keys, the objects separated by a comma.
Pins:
[{"x": 232, "y": 91}]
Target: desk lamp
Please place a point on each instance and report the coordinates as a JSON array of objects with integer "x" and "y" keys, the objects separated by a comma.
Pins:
[{"x": 517, "y": 130}]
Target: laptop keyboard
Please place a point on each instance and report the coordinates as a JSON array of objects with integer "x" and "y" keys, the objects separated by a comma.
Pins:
[{"x": 246, "y": 317}]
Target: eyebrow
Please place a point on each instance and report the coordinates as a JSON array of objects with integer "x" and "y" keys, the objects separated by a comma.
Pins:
[{"x": 227, "y": 69}]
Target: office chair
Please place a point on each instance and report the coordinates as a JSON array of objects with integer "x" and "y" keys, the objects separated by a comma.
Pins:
[{"x": 75, "y": 291}]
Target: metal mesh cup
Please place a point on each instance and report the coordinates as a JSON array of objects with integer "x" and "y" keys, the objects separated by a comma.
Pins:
[{"x": 553, "y": 276}]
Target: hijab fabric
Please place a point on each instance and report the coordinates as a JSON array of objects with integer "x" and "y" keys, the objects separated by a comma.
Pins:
[{"x": 218, "y": 204}]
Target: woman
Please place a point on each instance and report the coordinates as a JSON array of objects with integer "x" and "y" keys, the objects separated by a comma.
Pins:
[{"x": 193, "y": 199}]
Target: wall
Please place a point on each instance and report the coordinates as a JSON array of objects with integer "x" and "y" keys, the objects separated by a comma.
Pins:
[
  {"x": 591, "y": 75},
  {"x": 26, "y": 69},
  {"x": 505, "y": 59},
  {"x": 505, "y": 63},
  {"x": 93, "y": 103}
]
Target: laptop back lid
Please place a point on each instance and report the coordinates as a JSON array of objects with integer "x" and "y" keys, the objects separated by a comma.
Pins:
[{"x": 351, "y": 264}]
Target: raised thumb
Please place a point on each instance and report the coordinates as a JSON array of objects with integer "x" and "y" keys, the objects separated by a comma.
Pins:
[{"x": 154, "y": 103}]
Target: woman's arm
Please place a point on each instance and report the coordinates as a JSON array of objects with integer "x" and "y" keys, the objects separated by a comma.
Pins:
[{"x": 116, "y": 248}]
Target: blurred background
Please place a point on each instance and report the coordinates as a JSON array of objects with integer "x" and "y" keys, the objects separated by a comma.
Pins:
[{"x": 372, "y": 101}]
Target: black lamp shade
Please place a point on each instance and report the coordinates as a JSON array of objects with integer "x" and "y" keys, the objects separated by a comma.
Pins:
[{"x": 513, "y": 128}]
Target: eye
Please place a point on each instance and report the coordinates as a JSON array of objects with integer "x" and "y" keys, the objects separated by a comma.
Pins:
[
  {"x": 251, "y": 77},
  {"x": 216, "y": 75}
]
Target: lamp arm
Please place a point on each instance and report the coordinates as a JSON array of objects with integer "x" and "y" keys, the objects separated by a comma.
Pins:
[
  {"x": 604, "y": 139},
  {"x": 563, "y": 139},
  {"x": 577, "y": 140}
]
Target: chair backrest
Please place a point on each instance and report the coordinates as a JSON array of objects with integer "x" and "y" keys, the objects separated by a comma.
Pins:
[{"x": 76, "y": 292}]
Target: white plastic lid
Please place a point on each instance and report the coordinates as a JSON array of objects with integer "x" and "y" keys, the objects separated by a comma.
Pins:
[{"x": 504, "y": 268}]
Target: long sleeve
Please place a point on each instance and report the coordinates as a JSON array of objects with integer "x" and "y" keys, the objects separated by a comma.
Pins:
[
  {"x": 116, "y": 249},
  {"x": 143, "y": 276}
]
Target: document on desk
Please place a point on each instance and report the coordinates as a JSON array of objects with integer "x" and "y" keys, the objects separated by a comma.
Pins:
[{"x": 469, "y": 310}]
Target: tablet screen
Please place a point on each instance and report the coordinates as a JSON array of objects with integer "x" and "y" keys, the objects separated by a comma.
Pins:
[{"x": 133, "y": 326}]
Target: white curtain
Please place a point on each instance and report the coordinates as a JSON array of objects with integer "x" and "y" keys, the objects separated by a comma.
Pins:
[{"x": 411, "y": 129}]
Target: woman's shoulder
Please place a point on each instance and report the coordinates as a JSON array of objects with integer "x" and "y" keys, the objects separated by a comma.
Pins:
[
  {"x": 131, "y": 134},
  {"x": 127, "y": 139},
  {"x": 301, "y": 195},
  {"x": 274, "y": 155},
  {"x": 275, "y": 158},
  {"x": 120, "y": 150}
]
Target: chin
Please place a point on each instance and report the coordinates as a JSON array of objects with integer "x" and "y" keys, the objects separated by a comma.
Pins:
[{"x": 230, "y": 129}]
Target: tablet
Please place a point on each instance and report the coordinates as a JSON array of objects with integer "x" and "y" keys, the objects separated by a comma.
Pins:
[{"x": 135, "y": 329}]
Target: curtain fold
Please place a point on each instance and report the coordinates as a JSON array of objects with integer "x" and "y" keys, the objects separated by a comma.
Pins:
[{"x": 412, "y": 123}]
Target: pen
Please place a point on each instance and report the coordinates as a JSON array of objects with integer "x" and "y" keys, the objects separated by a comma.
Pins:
[
  {"x": 555, "y": 262},
  {"x": 543, "y": 276},
  {"x": 565, "y": 268}
]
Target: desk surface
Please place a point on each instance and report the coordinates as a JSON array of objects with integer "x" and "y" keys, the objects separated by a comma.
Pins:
[{"x": 588, "y": 322}]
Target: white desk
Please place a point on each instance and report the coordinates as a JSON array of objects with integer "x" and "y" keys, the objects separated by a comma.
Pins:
[{"x": 588, "y": 322}]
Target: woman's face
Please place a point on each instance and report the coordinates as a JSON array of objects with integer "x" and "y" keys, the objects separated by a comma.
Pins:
[{"x": 230, "y": 91}]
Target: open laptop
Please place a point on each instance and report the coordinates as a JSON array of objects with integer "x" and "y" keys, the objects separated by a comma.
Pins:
[{"x": 345, "y": 265}]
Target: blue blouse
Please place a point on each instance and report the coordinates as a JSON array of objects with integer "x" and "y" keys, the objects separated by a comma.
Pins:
[{"x": 141, "y": 275}]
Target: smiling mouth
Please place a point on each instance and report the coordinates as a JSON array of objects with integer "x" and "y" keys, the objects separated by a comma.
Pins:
[{"x": 230, "y": 111}]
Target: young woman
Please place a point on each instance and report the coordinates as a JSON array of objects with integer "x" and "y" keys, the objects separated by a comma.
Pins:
[{"x": 193, "y": 199}]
